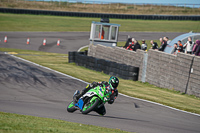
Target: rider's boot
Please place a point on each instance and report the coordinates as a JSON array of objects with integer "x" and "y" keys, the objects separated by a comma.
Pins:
[
  {"x": 78, "y": 95},
  {"x": 75, "y": 99}
]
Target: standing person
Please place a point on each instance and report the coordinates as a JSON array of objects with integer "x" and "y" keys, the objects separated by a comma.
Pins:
[
  {"x": 175, "y": 48},
  {"x": 137, "y": 45},
  {"x": 154, "y": 45},
  {"x": 196, "y": 48},
  {"x": 131, "y": 45},
  {"x": 128, "y": 42},
  {"x": 163, "y": 45},
  {"x": 144, "y": 45},
  {"x": 188, "y": 46},
  {"x": 167, "y": 39},
  {"x": 180, "y": 46}
]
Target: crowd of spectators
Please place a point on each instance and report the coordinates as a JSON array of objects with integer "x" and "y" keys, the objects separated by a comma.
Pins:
[
  {"x": 133, "y": 44},
  {"x": 189, "y": 47}
]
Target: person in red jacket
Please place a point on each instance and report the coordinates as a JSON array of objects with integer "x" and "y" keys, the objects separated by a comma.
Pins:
[
  {"x": 131, "y": 45},
  {"x": 180, "y": 46}
]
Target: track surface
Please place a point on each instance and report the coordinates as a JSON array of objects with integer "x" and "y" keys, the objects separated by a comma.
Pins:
[
  {"x": 32, "y": 90},
  {"x": 70, "y": 41}
]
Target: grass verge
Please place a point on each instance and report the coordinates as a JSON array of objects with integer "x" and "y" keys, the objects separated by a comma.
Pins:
[
  {"x": 137, "y": 89},
  {"x": 21, "y": 22},
  {"x": 14, "y": 123}
]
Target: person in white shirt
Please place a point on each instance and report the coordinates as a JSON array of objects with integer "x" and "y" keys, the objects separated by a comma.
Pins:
[{"x": 188, "y": 46}]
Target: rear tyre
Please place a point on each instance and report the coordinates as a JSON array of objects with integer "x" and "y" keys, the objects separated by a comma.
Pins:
[
  {"x": 90, "y": 105},
  {"x": 71, "y": 107},
  {"x": 101, "y": 110}
]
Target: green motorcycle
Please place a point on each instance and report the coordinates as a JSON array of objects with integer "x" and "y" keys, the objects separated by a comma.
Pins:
[{"x": 93, "y": 100}]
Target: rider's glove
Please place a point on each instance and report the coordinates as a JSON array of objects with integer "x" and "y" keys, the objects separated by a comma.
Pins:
[{"x": 94, "y": 84}]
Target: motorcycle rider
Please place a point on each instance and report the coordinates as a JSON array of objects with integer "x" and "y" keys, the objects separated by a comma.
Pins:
[{"x": 112, "y": 87}]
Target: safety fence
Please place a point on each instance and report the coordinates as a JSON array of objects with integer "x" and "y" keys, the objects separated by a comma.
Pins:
[
  {"x": 100, "y": 15},
  {"x": 108, "y": 67},
  {"x": 176, "y": 72}
]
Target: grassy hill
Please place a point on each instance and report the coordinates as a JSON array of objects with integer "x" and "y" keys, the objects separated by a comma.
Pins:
[{"x": 102, "y": 7}]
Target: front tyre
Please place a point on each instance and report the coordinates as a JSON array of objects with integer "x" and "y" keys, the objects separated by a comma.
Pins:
[
  {"x": 71, "y": 107},
  {"x": 90, "y": 105}
]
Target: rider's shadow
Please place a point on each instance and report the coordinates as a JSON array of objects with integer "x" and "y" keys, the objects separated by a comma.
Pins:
[{"x": 114, "y": 117}]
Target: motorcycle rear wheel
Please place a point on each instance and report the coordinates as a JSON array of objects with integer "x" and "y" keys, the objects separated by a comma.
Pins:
[{"x": 90, "y": 105}]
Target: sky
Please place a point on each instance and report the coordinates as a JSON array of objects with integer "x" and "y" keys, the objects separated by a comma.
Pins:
[{"x": 150, "y": 1}]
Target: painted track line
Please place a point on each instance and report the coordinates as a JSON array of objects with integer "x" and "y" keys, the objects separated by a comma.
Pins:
[
  {"x": 88, "y": 83},
  {"x": 82, "y": 48}
]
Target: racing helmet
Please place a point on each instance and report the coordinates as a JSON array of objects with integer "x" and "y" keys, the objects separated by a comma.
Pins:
[{"x": 113, "y": 82}]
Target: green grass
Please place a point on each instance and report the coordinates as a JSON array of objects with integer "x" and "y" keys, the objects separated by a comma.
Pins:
[
  {"x": 137, "y": 89},
  {"x": 14, "y": 123},
  {"x": 21, "y": 22}
]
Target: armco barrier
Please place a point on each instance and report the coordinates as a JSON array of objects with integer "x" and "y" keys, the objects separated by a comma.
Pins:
[
  {"x": 108, "y": 67},
  {"x": 100, "y": 15}
]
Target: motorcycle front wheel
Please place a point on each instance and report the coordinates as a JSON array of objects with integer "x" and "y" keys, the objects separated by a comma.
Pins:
[{"x": 71, "y": 108}]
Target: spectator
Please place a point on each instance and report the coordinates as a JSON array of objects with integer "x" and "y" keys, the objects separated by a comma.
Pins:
[
  {"x": 188, "y": 46},
  {"x": 175, "y": 48},
  {"x": 128, "y": 42},
  {"x": 137, "y": 45},
  {"x": 163, "y": 45},
  {"x": 144, "y": 45},
  {"x": 154, "y": 45},
  {"x": 167, "y": 40},
  {"x": 131, "y": 45},
  {"x": 180, "y": 46},
  {"x": 196, "y": 48}
]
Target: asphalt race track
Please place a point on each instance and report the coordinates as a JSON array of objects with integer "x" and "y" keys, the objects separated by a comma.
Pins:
[
  {"x": 32, "y": 90},
  {"x": 69, "y": 41}
]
